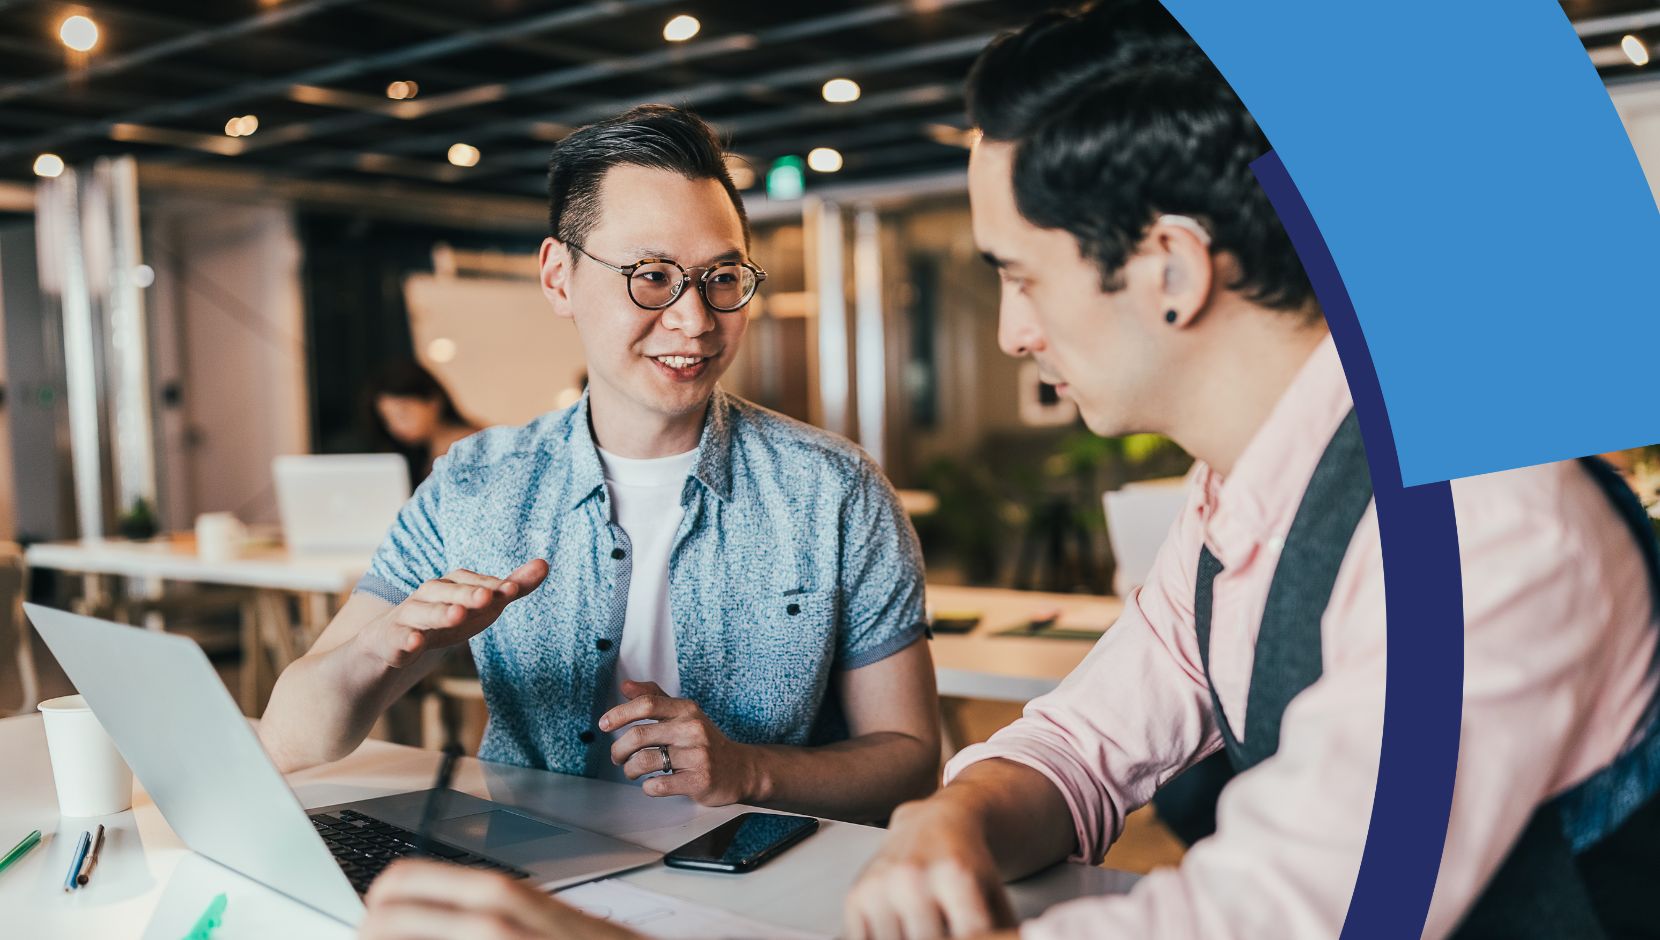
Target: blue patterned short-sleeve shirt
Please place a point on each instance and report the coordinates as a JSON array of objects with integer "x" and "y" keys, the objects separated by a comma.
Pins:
[{"x": 793, "y": 561}]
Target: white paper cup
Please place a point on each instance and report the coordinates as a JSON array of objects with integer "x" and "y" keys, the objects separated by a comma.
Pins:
[
  {"x": 219, "y": 536},
  {"x": 92, "y": 778}
]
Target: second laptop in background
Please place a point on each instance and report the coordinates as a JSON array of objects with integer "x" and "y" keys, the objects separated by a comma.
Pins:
[{"x": 339, "y": 503}]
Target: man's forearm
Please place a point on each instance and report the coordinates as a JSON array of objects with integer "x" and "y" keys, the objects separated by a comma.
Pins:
[
  {"x": 1020, "y": 814},
  {"x": 324, "y": 705},
  {"x": 861, "y": 779}
]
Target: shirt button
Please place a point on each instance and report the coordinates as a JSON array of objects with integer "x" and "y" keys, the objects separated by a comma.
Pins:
[
  {"x": 602, "y": 644},
  {"x": 618, "y": 554},
  {"x": 586, "y": 737},
  {"x": 793, "y": 609}
]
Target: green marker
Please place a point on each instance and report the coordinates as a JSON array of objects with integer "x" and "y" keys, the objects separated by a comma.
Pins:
[
  {"x": 211, "y": 918},
  {"x": 20, "y": 849}
]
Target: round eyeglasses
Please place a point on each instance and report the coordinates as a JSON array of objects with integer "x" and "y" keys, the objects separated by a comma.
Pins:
[{"x": 656, "y": 283}]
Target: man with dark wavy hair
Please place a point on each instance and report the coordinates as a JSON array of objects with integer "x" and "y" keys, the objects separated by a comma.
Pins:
[{"x": 1146, "y": 272}]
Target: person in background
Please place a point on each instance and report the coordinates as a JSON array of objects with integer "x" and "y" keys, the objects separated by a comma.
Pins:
[
  {"x": 413, "y": 412},
  {"x": 663, "y": 583}
]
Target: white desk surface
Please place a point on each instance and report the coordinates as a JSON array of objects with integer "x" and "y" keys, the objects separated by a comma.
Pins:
[
  {"x": 148, "y": 884},
  {"x": 271, "y": 568},
  {"x": 983, "y": 665}
]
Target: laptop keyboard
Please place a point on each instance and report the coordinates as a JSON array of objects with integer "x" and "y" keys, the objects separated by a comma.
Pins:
[{"x": 363, "y": 846}]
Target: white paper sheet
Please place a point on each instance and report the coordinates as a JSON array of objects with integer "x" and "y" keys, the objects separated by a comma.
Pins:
[{"x": 670, "y": 918}]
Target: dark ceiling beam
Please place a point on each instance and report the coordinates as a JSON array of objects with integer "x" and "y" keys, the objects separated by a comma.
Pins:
[
  {"x": 1622, "y": 23},
  {"x": 605, "y": 69},
  {"x": 171, "y": 70},
  {"x": 307, "y": 51},
  {"x": 897, "y": 159},
  {"x": 401, "y": 12},
  {"x": 941, "y": 93},
  {"x": 861, "y": 134},
  {"x": 917, "y": 96},
  {"x": 548, "y": 48},
  {"x": 114, "y": 65},
  {"x": 963, "y": 47},
  {"x": 419, "y": 52},
  {"x": 908, "y": 154},
  {"x": 552, "y": 49},
  {"x": 765, "y": 150}
]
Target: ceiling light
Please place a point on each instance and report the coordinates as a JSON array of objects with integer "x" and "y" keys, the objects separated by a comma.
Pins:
[
  {"x": 402, "y": 91},
  {"x": 681, "y": 28},
  {"x": 441, "y": 350},
  {"x": 241, "y": 126},
  {"x": 824, "y": 159},
  {"x": 49, "y": 165},
  {"x": 464, "y": 155},
  {"x": 1634, "y": 50},
  {"x": 78, "y": 33},
  {"x": 841, "y": 90}
]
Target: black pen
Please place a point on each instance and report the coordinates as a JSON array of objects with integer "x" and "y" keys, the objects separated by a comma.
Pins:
[{"x": 446, "y": 769}]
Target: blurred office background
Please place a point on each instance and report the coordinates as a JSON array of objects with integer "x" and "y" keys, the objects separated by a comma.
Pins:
[{"x": 218, "y": 223}]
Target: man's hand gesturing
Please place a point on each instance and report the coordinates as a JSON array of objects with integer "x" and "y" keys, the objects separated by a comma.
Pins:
[{"x": 446, "y": 611}]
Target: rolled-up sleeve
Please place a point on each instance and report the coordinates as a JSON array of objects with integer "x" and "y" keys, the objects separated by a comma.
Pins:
[
  {"x": 1290, "y": 831},
  {"x": 413, "y": 550},
  {"x": 1135, "y": 713}
]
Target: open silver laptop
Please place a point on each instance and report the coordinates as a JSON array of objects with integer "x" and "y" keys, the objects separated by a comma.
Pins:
[
  {"x": 338, "y": 503},
  {"x": 177, "y": 726}
]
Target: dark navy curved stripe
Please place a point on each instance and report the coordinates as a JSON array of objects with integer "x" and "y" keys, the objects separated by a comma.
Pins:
[{"x": 1423, "y": 589}]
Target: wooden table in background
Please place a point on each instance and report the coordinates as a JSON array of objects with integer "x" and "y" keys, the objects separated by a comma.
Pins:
[
  {"x": 271, "y": 639},
  {"x": 984, "y": 665}
]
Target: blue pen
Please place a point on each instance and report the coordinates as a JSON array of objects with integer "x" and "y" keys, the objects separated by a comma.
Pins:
[{"x": 75, "y": 866}]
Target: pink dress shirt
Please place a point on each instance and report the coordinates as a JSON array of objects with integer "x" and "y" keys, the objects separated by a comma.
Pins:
[{"x": 1558, "y": 639}]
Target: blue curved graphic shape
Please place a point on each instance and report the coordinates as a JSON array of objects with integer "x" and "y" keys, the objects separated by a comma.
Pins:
[
  {"x": 1474, "y": 184},
  {"x": 1423, "y": 591}
]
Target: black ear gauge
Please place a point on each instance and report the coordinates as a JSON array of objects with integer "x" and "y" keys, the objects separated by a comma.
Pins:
[{"x": 1170, "y": 316}]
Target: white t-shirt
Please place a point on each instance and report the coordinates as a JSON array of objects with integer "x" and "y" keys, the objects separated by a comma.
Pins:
[{"x": 645, "y": 501}]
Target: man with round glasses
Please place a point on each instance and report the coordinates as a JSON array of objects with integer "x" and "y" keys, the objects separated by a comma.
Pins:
[{"x": 663, "y": 582}]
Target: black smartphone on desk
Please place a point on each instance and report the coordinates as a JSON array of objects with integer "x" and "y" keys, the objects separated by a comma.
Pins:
[{"x": 742, "y": 843}]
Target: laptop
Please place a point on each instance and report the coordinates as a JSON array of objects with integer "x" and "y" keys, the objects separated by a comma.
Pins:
[
  {"x": 199, "y": 759},
  {"x": 339, "y": 503}
]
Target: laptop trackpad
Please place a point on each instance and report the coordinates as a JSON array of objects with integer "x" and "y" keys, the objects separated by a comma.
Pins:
[{"x": 492, "y": 830}]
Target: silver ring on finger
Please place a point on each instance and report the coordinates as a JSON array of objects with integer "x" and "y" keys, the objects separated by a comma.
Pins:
[{"x": 668, "y": 765}]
